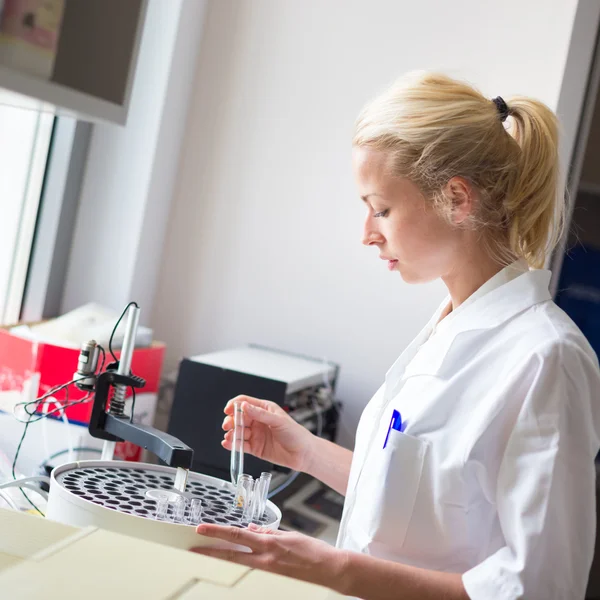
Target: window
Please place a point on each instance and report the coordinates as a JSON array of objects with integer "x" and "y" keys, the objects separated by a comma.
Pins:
[{"x": 25, "y": 137}]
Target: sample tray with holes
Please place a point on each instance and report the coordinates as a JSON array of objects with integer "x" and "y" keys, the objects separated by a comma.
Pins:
[{"x": 112, "y": 495}]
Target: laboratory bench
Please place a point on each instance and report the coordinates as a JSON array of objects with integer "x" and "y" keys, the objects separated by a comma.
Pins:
[{"x": 40, "y": 558}]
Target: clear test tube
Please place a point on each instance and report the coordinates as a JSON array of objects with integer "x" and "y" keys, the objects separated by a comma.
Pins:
[
  {"x": 237, "y": 447},
  {"x": 195, "y": 513},
  {"x": 250, "y": 504},
  {"x": 261, "y": 501},
  {"x": 256, "y": 501}
]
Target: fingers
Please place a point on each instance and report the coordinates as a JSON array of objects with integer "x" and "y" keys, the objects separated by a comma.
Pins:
[
  {"x": 228, "y": 426},
  {"x": 247, "y": 435},
  {"x": 258, "y": 529},
  {"x": 247, "y": 399},
  {"x": 256, "y": 413},
  {"x": 241, "y": 558},
  {"x": 235, "y": 535},
  {"x": 253, "y": 413}
]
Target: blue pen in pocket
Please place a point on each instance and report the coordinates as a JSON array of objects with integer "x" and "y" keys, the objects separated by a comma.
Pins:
[{"x": 395, "y": 423}]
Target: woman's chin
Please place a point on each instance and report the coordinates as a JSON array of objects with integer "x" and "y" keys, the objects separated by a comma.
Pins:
[{"x": 411, "y": 277}]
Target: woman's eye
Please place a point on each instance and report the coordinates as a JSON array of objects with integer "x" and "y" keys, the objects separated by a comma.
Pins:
[{"x": 382, "y": 213}]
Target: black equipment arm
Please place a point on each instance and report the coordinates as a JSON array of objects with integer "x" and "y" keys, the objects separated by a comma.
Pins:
[{"x": 119, "y": 428}]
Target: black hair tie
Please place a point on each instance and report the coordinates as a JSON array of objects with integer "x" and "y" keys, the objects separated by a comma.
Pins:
[{"x": 502, "y": 107}]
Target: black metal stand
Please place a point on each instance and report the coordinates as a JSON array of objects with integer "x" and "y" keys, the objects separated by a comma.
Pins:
[{"x": 106, "y": 426}]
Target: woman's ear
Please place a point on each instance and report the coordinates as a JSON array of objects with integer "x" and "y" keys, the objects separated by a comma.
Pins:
[{"x": 461, "y": 194}]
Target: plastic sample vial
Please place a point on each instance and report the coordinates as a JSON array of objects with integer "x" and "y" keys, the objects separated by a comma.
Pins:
[
  {"x": 243, "y": 493},
  {"x": 237, "y": 447},
  {"x": 249, "y": 504},
  {"x": 179, "y": 510},
  {"x": 162, "y": 509},
  {"x": 195, "y": 512}
]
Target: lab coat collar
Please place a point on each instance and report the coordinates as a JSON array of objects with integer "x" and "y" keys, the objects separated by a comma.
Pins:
[
  {"x": 503, "y": 303},
  {"x": 425, "y": 356}
]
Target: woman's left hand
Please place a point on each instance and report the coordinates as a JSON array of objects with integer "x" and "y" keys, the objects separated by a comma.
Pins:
[{"x": 285, "y": 553}]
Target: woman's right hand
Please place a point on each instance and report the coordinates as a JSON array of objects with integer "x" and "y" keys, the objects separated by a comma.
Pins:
[{"x": 270, "y": 433}]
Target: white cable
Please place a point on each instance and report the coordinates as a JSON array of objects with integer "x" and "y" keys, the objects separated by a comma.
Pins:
[
  {"x": 45, "y": 407},
  {"x": 71, "y": 455},
  {"x": 8, "y": 500},
  {"x": 35, "y": 488},
  {"x": 28, "y": 482},
  {"x": 18, "y": 482}
]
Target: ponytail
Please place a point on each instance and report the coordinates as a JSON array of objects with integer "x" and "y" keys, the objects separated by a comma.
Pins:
[{"x": 536, "y": 213}]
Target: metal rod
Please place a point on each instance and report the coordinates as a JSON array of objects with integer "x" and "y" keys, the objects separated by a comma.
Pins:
[
  {"x": 133, "y": 318},
  {"x": 118, "y": 401},
  {"x": 108, "y": 450}
]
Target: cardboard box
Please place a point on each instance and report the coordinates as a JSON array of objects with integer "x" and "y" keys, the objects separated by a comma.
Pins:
[{"x": 29, "y": 369}]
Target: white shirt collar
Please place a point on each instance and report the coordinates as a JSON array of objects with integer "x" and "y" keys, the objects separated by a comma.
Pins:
[{"x": 506, "y": 275}]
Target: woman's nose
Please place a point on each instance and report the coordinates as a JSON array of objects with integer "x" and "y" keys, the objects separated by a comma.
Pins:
[{"x": 371, "y": 235}]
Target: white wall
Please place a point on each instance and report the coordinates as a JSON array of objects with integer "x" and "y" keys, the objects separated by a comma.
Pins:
[
  {"x": 128, "y": 184},
  {"x": 263, "y": 244}
]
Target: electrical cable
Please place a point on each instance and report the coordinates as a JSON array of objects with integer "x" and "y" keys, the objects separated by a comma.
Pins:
[
  {"x": 45, "y": 407},
  {"x": 8, "y": 500},
  {"x": 46, "y": 404},
  {"x": 292, "y": 477},
  {"x": 60, "y": 408},
  {"x": 39, "y": 401},
  {"x": 14, "y": 464},
  {"x": 31, "y": 420},
  {"x": 103, "y": 359},
  {"x": 112, "y": 335},
  {"x": 25, "y": 481},
  {"x": 63, "y": 414},
  {"x": 30, "y": 484}
]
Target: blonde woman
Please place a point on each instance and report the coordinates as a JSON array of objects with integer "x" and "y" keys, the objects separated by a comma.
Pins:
[{"x": 473, "y": 471}]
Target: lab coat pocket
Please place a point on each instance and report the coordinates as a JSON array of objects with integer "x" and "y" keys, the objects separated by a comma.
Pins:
[{"x": 388, "y": 490}]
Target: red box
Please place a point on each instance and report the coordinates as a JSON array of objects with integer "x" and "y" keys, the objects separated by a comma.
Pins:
[{"x": 26, "y": 363}]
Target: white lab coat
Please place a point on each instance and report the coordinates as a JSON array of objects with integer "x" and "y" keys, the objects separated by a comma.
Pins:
[{"x": 493, "y": 475}]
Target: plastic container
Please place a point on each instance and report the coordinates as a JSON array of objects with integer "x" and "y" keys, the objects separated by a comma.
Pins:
[
  {"x": 113, "y": 495},
  {"x": 29, "y": 33}
]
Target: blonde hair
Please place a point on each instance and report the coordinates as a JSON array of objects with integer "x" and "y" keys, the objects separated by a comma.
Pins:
[{"x": 436, "y": 128}]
